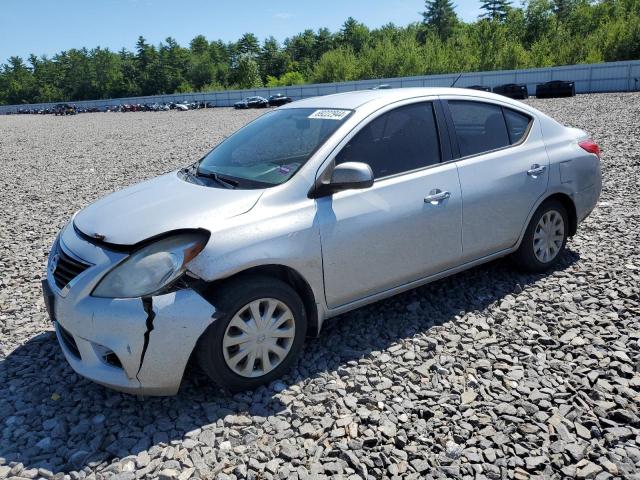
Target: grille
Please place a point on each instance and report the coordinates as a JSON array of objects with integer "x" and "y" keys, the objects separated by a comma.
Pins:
[
  {"x": 69, "y": 342},
  {"x": 67, "y": 269}
]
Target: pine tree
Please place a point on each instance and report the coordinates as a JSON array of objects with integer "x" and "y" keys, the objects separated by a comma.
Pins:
[
  {"x": 354, "y": 34},
  {"x": 495, "y": 9},
  {"x": 272, "y": 59},
  {"x": 440, "y": 15},
  {"x": 249, "y": 45},
  {"x": 563, "y": 8},
  {"x": 247, "y": 72}
]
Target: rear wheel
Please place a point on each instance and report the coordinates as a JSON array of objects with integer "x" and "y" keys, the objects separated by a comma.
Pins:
[
  {"x": 258, "y": 337},
  {"x": 544, "y": 239}
]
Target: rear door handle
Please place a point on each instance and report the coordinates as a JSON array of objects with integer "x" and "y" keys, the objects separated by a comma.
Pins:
[
  {"x": 536, "y": 170},
  {"x": 436, "y": 196}
]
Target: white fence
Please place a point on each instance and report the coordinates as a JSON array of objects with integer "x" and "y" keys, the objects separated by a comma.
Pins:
[{"x": 588, "y": 78}]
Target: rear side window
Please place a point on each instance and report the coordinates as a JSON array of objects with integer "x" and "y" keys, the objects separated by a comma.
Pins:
[
  {"x": 480, "y": 127},
  {"x": 517, "y": 124},
  {"x": 398, "y": 141}
]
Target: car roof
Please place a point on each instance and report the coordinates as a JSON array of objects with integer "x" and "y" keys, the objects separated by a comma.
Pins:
[{"x": 357, "y": 99}]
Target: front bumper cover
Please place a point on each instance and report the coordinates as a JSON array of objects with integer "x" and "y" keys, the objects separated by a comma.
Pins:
[{"x": 152, "y": 342}]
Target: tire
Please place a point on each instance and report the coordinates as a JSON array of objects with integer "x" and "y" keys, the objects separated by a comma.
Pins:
[
  {"x": 531, "y": 258},
  {"x": 233, "y": 300}
]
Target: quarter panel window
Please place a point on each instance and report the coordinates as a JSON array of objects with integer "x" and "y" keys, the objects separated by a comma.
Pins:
[
  {"x": 480, "y": 127},
  {"x": 397, "y": 141},
  {"x": 517, "y": 124}
]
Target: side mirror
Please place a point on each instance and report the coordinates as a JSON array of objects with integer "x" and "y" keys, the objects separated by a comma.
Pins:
[
  {"x": 351, "y": 175},
  {"x": 345, "y": 176}
]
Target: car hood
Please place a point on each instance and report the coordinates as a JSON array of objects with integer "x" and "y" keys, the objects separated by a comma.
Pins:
[{"x": 160, "y": 205}]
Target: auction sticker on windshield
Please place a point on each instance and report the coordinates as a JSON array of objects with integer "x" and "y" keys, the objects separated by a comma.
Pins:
[{"x": 327, "y": 114}]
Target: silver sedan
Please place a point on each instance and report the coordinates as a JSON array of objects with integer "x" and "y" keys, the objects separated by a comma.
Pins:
[{"x": 311, "y": 210}]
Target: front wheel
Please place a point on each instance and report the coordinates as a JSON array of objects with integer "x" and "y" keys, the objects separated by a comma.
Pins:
[
  {"x": 259, "y": 336},
  {"x": 545, "y": 238}
]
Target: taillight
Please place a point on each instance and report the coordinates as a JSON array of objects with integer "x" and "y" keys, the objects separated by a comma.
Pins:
[{"x": 590, "y": 146}]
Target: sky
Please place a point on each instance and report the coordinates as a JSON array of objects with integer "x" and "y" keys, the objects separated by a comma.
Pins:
[{"x": 49, "y": 26}]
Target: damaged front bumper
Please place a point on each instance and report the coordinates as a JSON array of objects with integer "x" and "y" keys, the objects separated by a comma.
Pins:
[{"x": 134, "y": 345}]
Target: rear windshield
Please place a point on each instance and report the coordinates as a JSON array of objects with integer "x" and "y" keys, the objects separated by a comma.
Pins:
[{"x": 271, "y": 149}]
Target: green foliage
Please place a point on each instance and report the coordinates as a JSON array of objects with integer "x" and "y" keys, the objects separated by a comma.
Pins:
[
  {"x": 541, "y": 33},
  {"x": 273, "y": 60},
  {"x": 440, "y": 16},
  {"x": 387, "y": 58},
  {"x": 621, "y": 40},
  {"x": 289, "y": 78},
  {"x": 199, "y": 45},
  {"x": 498, "y": 9},
  {"x": 201, "y": 72},
  {"x": 248, "y": 45},
  {"x": 353, "y": 35},
  {"x": 246, "y": 74},
  {"x": 337, "y": 65}
]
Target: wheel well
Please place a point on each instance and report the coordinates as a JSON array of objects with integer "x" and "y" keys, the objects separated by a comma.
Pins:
[
  {"x": 295, "y": 280},
  {"x": 570, "y": 207}
]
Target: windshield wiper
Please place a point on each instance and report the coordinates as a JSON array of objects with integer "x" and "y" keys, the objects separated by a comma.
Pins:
[{"x": 224, "y": 181}]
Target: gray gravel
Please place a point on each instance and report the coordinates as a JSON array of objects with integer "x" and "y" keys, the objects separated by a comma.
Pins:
[{"x": 488, "y": 374}]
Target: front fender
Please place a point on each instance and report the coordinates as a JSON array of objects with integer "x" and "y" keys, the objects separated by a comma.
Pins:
[{"x": 290, "y": 240}]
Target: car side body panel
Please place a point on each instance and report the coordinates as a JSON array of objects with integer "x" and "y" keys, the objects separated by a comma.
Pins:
[
  {"x": 498, "y": 191},
  {"x": 577, "y": 169},
  {"x": 265, "y": 236},
  {"x": 388, "y": 235}
]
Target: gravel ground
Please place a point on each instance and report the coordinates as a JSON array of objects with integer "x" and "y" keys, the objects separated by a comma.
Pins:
[{"x": 488, "y": 374}]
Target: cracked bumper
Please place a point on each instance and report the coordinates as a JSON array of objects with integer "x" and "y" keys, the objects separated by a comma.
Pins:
[
  {"x": 100, "y": 328},
  {"x": 103, "y": 339}
]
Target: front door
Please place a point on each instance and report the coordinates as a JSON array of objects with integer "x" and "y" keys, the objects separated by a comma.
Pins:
[{"x": 407, "y": 225}]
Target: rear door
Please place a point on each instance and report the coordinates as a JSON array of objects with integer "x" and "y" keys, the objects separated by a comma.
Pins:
[
  {"x": 504, "y": 169},
  {"x": 392, "y": 233}
]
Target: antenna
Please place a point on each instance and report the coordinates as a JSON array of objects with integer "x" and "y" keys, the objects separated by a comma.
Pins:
[{"x": 457, "y": 78}]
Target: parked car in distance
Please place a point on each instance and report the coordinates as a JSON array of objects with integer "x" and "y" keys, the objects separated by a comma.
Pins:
[
  {"x": 512, "y": 90},
  {"x": 64, "y": 109},
  {"x": 556, "y": 88},
  {"x": 279, "y": 99},
  {"x": 383, "y": 86},
  {"x": 252, "y": 102},
  {"x": 482, "y": 88},
  {"x": 314, "y": 209}
]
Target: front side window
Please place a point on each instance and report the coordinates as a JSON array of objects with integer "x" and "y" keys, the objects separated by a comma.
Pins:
[
  {"x": 398, "y": 141},
  {"x": 271, "y": 149},
  {"x": 480, "y": 127}
]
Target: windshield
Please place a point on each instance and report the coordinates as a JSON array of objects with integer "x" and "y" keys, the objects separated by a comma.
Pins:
[{"x": 272, "y": 148}]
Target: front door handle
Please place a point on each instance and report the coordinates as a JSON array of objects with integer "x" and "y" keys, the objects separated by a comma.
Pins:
[
  {"x": 436, "y": 196},
  {"x": 536, "y": 170}
]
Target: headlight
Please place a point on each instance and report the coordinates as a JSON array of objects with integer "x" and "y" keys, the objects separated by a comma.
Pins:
[{"x": 151, "y": 268}]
